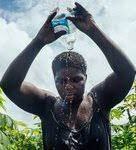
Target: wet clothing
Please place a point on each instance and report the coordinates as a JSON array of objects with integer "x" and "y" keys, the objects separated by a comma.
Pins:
[{"x": 94, "y": 134}]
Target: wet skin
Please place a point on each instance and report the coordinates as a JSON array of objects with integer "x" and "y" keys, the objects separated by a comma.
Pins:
[
  {"x": 70, "y": 84},
  {"x": 39, "y": 102}
]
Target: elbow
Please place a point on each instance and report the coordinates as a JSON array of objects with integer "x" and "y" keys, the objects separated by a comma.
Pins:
[
  {"x": 132, "y": 69},
  {"x": 3, "y": 86},
  {"x": 131, "y": 75},
  {"x": 128, "y": 76},
  {"x": 6, "y": 88}
]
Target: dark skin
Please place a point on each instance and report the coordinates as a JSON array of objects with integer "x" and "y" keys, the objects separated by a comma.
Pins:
[{"x": 38, "y": 101}]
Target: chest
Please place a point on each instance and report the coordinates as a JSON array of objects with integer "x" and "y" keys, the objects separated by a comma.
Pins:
[
  {"x": 94, "y": 133},
  {"x": 83, "y": 114},
  {"x": 89, "y": 129}
]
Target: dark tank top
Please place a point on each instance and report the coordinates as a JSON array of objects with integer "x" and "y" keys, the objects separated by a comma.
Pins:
[{"x": 93, "y": 135}]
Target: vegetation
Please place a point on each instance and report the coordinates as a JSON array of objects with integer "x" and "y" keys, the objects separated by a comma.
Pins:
[
  {"x": 16, "y": 135},
  {"x": 124, "y": 135}
]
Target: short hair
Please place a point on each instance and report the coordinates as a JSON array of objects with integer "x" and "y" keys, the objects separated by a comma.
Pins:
[{"x": 69, "y": 59}]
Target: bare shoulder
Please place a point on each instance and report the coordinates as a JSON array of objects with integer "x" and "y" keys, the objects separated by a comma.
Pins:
[
  {"x": 29, "y": 88},
  {"x": 33, "y": 99}
]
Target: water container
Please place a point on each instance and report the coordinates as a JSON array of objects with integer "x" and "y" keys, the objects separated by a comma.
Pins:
[{"x": 60, "y": 23}]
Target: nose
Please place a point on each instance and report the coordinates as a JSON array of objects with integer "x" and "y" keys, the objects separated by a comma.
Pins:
[{"x": 68, "y": 87}]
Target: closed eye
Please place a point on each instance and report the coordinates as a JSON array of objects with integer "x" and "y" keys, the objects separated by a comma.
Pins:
[
  {"x": 77, "y": 79},
  {"x": 61, "y": 81}
]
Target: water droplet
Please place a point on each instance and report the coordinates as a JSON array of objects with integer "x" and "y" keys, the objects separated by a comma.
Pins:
[
  {"x": 95, "y": 95},
  {"x": 70, "y": 102},
  {"x": 98, "y": 110},
  {"x": 56, "y": 138},
  {"x": 97, "y": 139}
]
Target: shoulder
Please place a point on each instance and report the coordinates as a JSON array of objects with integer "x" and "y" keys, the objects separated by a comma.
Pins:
[
  {"x": 49, "y": 97},
  {"x": 41, "y": 97},
  {"x": 29, "y": 88},
  {"x": 96, "y": 93},
  {"x": 98, "y": 105},
  {"x": 98, "y": 97}
]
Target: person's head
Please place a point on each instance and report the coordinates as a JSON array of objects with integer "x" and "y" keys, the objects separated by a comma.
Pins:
[{"x": 69, "y": 69}]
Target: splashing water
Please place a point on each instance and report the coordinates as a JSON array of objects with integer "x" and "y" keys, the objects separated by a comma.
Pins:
[{"x": 64, "y": 9}]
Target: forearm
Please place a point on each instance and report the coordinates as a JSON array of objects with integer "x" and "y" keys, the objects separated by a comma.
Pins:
[
  {"x": 120, "y": 64},
  {"x": 18, "y": 69}
]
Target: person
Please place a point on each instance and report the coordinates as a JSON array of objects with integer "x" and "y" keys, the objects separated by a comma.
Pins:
[{"x": 72, "y": 120}]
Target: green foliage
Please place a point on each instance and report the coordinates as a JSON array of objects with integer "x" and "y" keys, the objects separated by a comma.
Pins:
[
  {"x": 26, "y": 137},
  {"x": 1, "y": 100},
  {"x": 15, "y": 135},
  {"x": 124, "y": 136}
]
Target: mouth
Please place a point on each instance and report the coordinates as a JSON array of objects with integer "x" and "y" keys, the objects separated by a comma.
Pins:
[{"x": 70, "y": 96}]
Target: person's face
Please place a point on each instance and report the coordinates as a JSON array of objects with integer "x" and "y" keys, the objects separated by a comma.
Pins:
[{"x": 70, "y": 83}]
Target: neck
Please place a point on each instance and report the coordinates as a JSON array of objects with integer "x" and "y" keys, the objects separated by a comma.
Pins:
[{"x": 70, "y": 109}]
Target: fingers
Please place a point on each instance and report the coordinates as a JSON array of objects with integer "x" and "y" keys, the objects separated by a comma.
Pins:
[
  {"x": 51, "y": 16},
  {"x": 71, "y": 19},
  {"x": 81, "y": 12},
  {"x": 71, "y": 10},
  {"x": 79, "y": 6},
  {"x": 75, "y": 20},
  {"x": 59, "y": 34}
]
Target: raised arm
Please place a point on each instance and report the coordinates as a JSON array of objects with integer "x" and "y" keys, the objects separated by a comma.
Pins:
[
  {"x": 26, "y": 95},
  {"x": 115, "y": 87}
]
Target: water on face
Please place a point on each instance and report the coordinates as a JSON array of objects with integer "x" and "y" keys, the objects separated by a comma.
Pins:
[
  {"x": 67, "y": 105},
  {"x": 66, "y": 101},
  {"x": 70, "y": 41}
]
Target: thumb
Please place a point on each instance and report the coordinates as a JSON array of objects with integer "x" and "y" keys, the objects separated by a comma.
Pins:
[
  {"x": 72, "y": 19},
  {"x": 59, "y": 34}
]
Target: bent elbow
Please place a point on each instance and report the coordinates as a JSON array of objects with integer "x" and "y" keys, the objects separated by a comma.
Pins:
[
  {"x": 129, "y": 74},
  {"x": 132, "y": 73},
  {"x": 6, "y": 88},
  {"x": 3, "y": 86}
]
